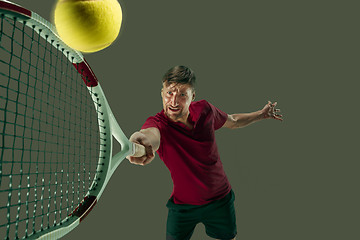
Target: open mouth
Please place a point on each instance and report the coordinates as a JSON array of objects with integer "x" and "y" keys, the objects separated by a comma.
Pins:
[{"x": 174, "y": 109}]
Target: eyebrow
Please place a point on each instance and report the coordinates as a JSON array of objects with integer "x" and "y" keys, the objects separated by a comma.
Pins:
[{"x": 176, "y": 90}]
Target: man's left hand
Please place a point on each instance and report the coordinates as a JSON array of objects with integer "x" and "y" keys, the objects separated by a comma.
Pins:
[{"x": 270, "y": 112}]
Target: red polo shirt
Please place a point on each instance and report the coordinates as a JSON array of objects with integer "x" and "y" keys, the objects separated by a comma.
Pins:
[{"x": 191, "y": 155}]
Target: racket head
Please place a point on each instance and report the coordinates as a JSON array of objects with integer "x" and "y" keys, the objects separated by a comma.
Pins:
[{"x": 35, "y": 191}]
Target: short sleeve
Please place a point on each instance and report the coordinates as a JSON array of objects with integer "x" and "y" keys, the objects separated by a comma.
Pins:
[
  {"x": 151, "y": 122},
  {"x": 154, "y": 121},
  {"x": 219, "y": 116}
]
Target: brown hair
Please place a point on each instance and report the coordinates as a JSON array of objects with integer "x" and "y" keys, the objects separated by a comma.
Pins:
[{"x": 180, "y": 74}]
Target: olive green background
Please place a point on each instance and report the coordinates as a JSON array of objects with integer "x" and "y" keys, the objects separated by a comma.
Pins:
[{"x": 294, "y": 180}]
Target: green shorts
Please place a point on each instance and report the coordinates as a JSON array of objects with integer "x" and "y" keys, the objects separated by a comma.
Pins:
[{"x": 218, "y": 218}]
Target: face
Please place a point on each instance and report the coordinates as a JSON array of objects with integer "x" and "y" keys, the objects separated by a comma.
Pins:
[{"x": 176, "y": 101}]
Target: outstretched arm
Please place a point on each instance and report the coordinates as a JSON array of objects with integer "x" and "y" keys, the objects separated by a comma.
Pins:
[
  {"x": 240, "y": 120},
  {"x": 150, "y": 139}
]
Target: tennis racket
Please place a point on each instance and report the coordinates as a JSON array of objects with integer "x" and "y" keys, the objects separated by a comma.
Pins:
[{"x": 56, "y": 131}]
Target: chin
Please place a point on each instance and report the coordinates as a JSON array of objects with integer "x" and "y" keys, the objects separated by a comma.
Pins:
[{"x": 173, "y": 117}]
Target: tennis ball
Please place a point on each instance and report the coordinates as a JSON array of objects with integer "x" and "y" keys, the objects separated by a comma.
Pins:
[{"x": 88, "y": 25}]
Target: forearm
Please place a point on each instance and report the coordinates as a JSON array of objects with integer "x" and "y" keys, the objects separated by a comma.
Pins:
[{"x": 240, "y": 120}]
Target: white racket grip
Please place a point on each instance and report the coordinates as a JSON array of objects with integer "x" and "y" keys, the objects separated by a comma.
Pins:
[{"x": 138, "y": 150}]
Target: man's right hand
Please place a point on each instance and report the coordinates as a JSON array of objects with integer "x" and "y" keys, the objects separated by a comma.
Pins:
[{"x": 150, "y": 139}]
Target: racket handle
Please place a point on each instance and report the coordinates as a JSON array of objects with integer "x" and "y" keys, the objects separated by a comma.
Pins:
[{"x": 139, "y": 150}]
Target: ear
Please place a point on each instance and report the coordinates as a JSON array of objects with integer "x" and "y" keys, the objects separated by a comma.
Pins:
[{"x": 193, "y": 96}]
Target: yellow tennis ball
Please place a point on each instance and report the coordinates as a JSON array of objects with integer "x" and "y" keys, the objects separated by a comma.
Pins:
[{"x": 88, "y": 25}]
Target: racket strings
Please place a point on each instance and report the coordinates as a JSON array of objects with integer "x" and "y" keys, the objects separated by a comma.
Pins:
[{"x": 49, "y": 134}]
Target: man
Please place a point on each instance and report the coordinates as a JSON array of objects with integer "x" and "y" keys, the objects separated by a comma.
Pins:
[{"x": 183, "y": 136}]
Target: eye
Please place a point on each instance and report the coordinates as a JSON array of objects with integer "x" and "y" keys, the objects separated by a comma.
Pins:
[{"x": 169, "y": 92}]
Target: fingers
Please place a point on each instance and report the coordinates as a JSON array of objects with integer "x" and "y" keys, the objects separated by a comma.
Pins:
[
  {"x": 137, "y": 160},
  {"x": 278, "y": 117},
  {"x": 272, "y": 105},
  {"x": 272, "y": 112},
  {"x": 142, "y": 161},
  {"x": 145, "y": 159}
]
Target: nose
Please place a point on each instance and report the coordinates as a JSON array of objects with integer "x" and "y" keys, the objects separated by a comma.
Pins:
[{"x": 174, "y": 100}]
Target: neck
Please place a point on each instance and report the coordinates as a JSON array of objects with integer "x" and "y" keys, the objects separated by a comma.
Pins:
[{"x": 188, "y": 124}]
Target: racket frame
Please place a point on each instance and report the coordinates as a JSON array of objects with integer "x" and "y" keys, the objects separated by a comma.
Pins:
[{"x": 107, "y": 163}]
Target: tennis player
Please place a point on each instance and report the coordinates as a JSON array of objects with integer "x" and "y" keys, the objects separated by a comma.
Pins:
[{"x": 183, "y": 136}]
